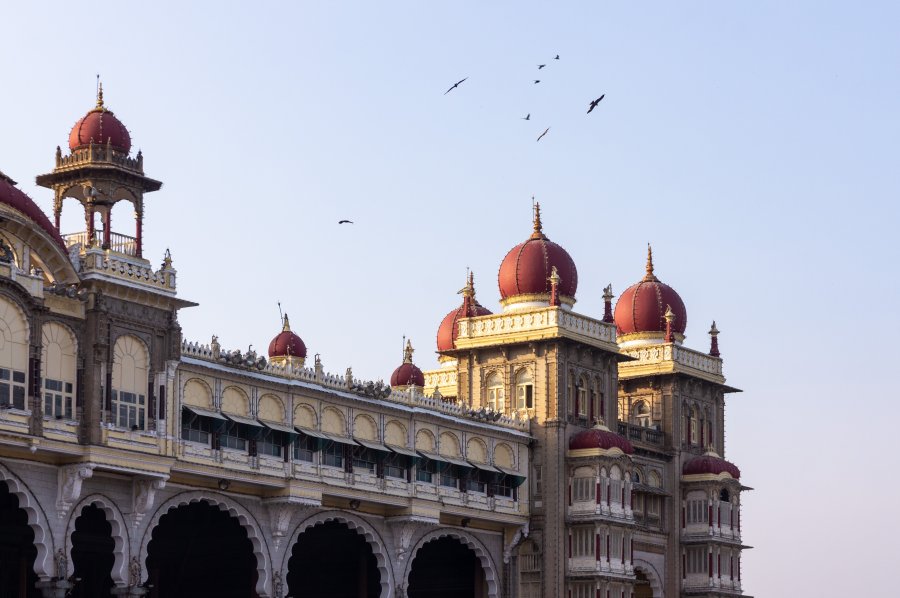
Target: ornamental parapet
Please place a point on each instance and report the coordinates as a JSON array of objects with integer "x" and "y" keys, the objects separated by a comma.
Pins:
[
  {"x": 93, "y": 262},
  {"x": 536, "y": 324},
  {"x": 252, "y": 363},
  {"x": 671, "y": 358},
  {"x": 96, "y": 154}
]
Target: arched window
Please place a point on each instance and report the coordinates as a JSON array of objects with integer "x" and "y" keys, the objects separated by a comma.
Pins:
[
  {"x": 496, "y": 401},
  {"x": 583, "y": 402},
  {"x": 641, "y": 413},
  {"x": 13, "y": 355},
  {"x": 724, "y": 496},
  {"x": 59, "y": 355},
  {"x": 130, "y": 375},
  {"x": 524, "y": 390}
]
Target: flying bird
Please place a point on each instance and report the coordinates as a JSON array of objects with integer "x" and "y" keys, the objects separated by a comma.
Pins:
[
  {"x": 345, "y": 222},
  {"x": 542, "y": 134},
  {"x": 540, "y": 66},
  {"x": 556, "y": 57},
  {"x": 536, "y": 81},
  {"x": 527, "y": 116},
  {"x": 455, "y": 85},
  {"x": 595, "y": 102}
]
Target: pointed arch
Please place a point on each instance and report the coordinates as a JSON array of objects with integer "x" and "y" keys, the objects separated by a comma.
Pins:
[
  {"x": 44, "y": 566},
  {"x": 360, "y": 526},
  {"x": 491, "y": 575},
  {"x": 233, "y": 508},
  {"x": 122, "y": 543}
]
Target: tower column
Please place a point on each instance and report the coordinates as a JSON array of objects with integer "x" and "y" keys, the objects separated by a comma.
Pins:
[
  {"x": 107, "y": 226},
  {"x": 89, "y": 216},
  {"x": 138, "y": 227}
]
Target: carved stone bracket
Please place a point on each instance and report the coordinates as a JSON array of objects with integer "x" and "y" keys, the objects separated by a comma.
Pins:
[
  {"x": 144, "y": 495},
  {"x": 68, "y": 486},
  {"x": 404, "y": 529},
  {"x": 281, "y": 512},
  {"x": 518, "y": 536}
]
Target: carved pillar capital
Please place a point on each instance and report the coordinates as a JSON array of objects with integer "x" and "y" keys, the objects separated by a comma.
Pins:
[
  {"x": 68, "y": 490},
  {"x": 144, "y": 495}
]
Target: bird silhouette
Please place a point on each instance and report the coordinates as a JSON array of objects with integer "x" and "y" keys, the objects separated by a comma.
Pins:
[
  {"x": 536, "y": 81},
  {"x": 540, "y": 66},
  {"x": 556, "y": 57},
  {"x": 527, "y": 116},
  {"x": 595, "y": 102},
  {"x": 542, "y": 134},
  {"x": 455, "y": 85},
  {"x": 345, "y": 222}
]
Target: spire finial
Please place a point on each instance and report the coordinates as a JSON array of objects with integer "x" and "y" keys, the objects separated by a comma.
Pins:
[
  {"x": 554, "y": 286},
  {"x": 650, "y": 276},
  {"x": 607, "y": 303},
  {"x": 538, "y": 227},
  {"x": 408, "y": 352},
  {"x": 469, "y": 289},
  {"x": 714, "y": 340},
  {"x": 670, "y": 319},
  {"x": 99, "y": 93},
  {"x": 286, "y": 325}
]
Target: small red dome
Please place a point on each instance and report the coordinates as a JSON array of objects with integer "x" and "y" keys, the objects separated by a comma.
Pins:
[
  {"x": 287, "y": 344},
  {"x": 527, "y": 267},
  {"x": 600, "y": 437},
  {"x": 710, "y": 463},
  {"x": 642, "y": 307},
  {"x": 17, "y": 200},
  {"x": 100, "y": 126},
  {"x": 408, "y": 374},
  {"x": 470, "y": 308}
]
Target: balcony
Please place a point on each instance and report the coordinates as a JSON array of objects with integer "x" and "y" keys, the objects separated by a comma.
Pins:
[
  {"x": 636, "y": 433},
  {"x": 117, "y": 242}
]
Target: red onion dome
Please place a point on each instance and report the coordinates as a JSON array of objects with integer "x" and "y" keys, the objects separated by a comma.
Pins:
[
  {"x": 525, "y": 271},
  {"x": 470, "y": 308},
  {"x": 408, "y": 374},
  {"x": 710, "y": 463},
  {"x": 287, "y": 345},
  {"x": 20, "y": 202},
  {"x": 100, "y": 127},
  {"x": 642, "y": 307},
  {"x": 600, "y": 437}
]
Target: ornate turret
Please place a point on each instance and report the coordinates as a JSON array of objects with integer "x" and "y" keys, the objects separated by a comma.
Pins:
[
  {"x": 287, "y": 348},
  {"x": 99, "y": 173},
  {"x": 408, "y": 374},
  {"x": 470, "y": 308},
  {"x": 714, "y": 340}
]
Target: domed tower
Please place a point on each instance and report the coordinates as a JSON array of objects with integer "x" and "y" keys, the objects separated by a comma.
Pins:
[
  {"x": 470, "y": 308},
  {"x": 100, "y": 172},
  {"x": 287, "y": 348},
  {"x": 408, "y": 375},
  {"x": 649, "y": 312},
  {"x": 537, "y": 273}
]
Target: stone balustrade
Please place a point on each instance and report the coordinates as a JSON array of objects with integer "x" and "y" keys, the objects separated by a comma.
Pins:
[{"x": 537, "y": 323}]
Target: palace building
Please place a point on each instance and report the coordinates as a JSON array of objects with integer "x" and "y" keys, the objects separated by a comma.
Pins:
[{"x": 550, "y": 453}]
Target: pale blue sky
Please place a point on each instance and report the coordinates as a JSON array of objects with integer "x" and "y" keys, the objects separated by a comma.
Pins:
[{"x": 753, "y": 143}]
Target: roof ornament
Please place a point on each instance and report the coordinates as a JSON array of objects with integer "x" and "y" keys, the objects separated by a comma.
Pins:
[
  {"x": 538, "y": 227},
  {"x": 285, "y": 324},
  {"x": 670, "y": 319},
  {"x": 99, "y": 94},
  {"x": 714, "y": 340},
  {"x": 607, "y": 303},
  {"x": 408, "y": 352},
  {"x": 650, "y": 276},
  {"x": 554, "y": 287}
]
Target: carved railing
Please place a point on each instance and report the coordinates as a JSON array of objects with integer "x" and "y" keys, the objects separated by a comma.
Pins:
[
  {"x": 348, "y": 383},
  {"x": 117, "y": 241},
  {"x": 702, "y": 362},
  {"x": 637, "y": 433},
  {"x": 136, "y": 270},
  {"x": 550, "y": 320},
  {"x": 94, "y": 154}
]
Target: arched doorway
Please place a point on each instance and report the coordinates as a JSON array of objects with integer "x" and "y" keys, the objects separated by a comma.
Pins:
[
  {"x": 642, "y": 587},
  {"x": 446, "y": 568},
  {"x": 17, "y": 550},
  {"x": 330, "y": 560},
  {"x": 92, "y": 554},
  {"x": 199, "y": 551}
]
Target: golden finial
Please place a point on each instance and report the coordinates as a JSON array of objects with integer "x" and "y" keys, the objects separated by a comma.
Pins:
[
  {"x": 469, "y": 289},
  {"x": 714, "y": 331},
  {"x": 554, "y": 276},
  {"x": 286, "y": 326},
  {"x": 649, "y": 275},
  {"x": 538, "y": 227},
  {"x": 99, "y": 93},
  {"x": 408, "y": 352},
  {"x": 669, "y": 315}
]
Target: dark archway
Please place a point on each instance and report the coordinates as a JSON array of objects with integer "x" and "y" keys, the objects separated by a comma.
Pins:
[
  {"x": 330, "y": 560},
  {"x": 200, "y": 551},
  {"x": 446, "y": 568},
  {"x": 92, "y": 554},
  {"x": 642, "y": 587},
  {"x": 17, "y": 551}
]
